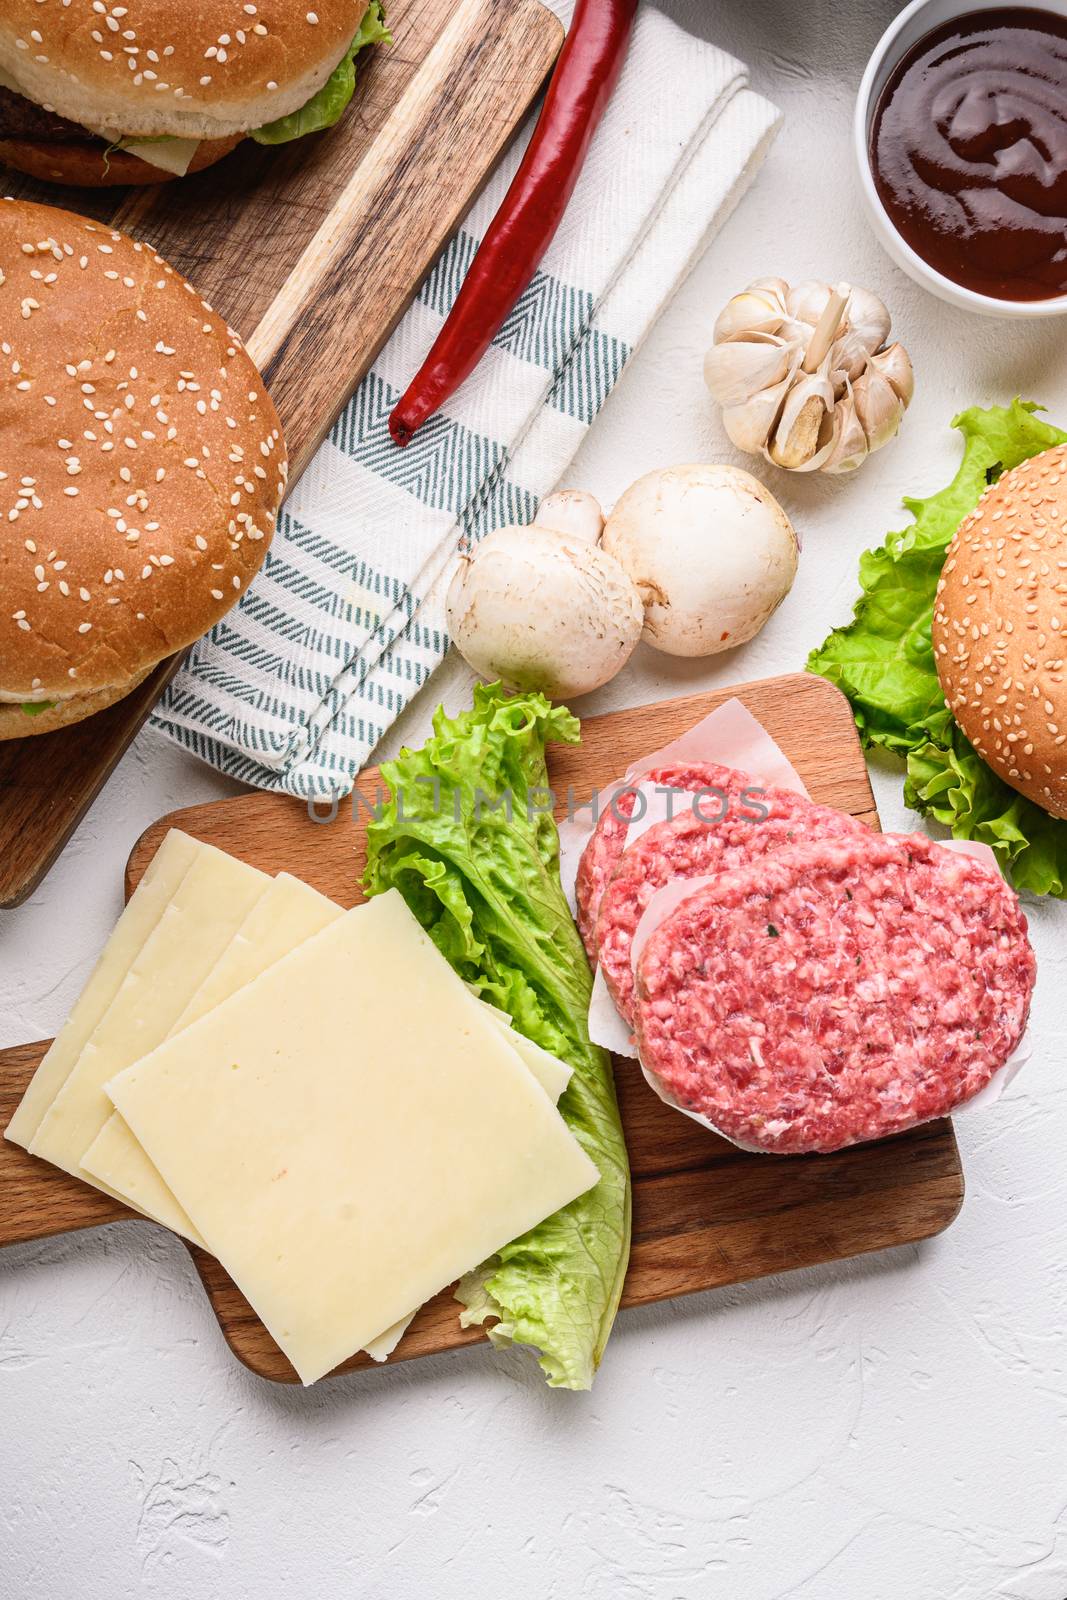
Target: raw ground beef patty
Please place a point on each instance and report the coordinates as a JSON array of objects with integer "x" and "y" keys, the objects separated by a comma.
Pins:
[
  {"x": 835, "y": 992},
  {"x": 601, "y": 854},
  {"x": 690, "y": 847}
]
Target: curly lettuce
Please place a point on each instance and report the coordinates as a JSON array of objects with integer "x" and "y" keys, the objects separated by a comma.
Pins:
[
  {"x": 327, "y": 107},
  {"x": 883, "y": 661},
  {"x": 468, "y": 838}
]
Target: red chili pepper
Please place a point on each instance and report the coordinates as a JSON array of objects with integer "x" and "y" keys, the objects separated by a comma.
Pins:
[{"x": 585, "y": 75}]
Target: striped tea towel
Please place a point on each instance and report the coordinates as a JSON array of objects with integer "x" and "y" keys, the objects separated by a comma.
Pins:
[{"x": 293, "y": 689}]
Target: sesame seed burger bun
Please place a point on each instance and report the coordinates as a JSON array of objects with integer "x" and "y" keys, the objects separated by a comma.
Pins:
[
  {"x": 198, "y": 69},
  {"x": 91, "y": 166},
  {"x": 1000, "y": 628},
  {"x": 141, "y": 465},
  {"x": 17, "y": 724}
]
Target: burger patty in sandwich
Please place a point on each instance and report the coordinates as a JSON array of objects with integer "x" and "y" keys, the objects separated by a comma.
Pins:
[{"x": 21, "y": 119}]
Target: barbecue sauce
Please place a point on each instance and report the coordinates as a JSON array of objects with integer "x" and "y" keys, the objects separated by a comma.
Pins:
[{"x": 969, "y": 151}]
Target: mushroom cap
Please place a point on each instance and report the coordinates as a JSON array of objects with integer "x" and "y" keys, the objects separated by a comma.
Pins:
[
  {"x": 543, "y": 610},
  {"x": 1000, "y": 628},
  {"x": 711, "y": 551}
]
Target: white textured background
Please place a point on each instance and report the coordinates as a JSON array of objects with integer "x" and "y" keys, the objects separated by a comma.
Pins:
[{"x": 890, "y": 1430}]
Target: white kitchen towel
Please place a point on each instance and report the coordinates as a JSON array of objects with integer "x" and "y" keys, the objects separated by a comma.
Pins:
[{"x": 295, "y": 687}]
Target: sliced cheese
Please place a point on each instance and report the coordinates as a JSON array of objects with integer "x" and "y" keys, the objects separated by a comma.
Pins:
[
  {"x": 381, "y": 1348},
  {"x": 286, "y": 914},
  {"x": 289, "y": 912},
  {"x": 161, "y": 879},
  {"x": 116, "y": 1163},
  {"x": 350, "y": 1134},
  {"x": 551, "y": 1073},
  {"x": 170, "y": 155},
  {"x": 207, "y": 908}
]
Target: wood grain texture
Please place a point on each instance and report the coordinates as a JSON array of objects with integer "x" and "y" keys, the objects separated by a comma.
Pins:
[
  {"x": 705, "y": 1213},
  {"x": 313, "y": 251}
]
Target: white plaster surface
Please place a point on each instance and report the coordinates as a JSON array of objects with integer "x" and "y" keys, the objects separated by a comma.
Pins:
[{"x": 892, "y": 1429}]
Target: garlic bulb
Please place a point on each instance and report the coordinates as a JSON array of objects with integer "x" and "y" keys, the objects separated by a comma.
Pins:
[{"x": 805, "y": 376}]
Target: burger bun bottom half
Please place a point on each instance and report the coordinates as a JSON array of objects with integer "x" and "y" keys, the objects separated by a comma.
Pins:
[
  {"x": 18, "y": 724},
  {"x": 87, "y": 165}
]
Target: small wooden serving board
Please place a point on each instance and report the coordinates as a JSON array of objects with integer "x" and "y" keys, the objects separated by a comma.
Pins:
[
  {"x": 312, "y": 251},
  {"x": 705, "y": 1213}
]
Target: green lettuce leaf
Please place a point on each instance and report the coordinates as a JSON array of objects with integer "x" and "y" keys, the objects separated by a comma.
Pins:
[
  {"x": 486, "y": 887},
  {"x": 33, "y": 708},
  {"x": 883, "y": 661},
  {"x": 331, "y": 102}
]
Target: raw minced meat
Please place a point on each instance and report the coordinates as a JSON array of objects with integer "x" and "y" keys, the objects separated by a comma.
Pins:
[
  {"x": 836, "y": 992},
  {"x": 605, "y": 846},
  {"x": 690, "y": 847}
]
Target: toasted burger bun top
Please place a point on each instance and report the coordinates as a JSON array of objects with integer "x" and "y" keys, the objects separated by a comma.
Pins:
[
  {"x": 1000, "y": 628},
  {"x": 141, "y": 460},
  {"x": 193, "y": 69}
]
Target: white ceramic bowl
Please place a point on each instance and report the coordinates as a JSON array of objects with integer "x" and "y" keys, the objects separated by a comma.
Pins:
[{"x": 913, "y": 22}]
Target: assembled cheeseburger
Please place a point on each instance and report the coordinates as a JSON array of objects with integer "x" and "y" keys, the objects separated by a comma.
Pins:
[
  {"x": 999, "y": 628},
  {"x": 95, "y": 92},
  {"x": 141, "y": 466}
]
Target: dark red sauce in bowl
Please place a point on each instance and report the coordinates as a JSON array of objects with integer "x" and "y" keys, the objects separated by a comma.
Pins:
[{"x": 968, "y": 150}]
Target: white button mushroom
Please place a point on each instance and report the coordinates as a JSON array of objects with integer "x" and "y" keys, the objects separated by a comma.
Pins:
[
  {"x": 544, "y": 610},
  {"x": 573, "y": 511},
  {"x": 712, "y": 554}
]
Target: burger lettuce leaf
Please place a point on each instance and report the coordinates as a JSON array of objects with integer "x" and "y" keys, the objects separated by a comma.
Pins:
[
  {"x": 883, "y": 661},
  {"x": 329, "y": 105},
  {"x": 483, "y": 879}
]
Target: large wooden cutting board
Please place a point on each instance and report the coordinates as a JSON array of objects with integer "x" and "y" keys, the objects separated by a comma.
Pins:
[
  {"x": 312, "y": 251},
  {"x": 705, "y": 1213}
]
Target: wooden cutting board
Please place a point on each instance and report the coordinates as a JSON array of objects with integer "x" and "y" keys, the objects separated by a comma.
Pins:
[
  {"x": 312, "y": 251},
  {"x": 705, "y": 1213}
]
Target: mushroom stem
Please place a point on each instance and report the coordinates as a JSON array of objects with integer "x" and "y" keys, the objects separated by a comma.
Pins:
[{"x": 826, "y": 328}]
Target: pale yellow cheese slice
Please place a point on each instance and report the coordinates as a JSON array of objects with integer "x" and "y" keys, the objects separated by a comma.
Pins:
[
  {"x": 171, "y": 155},
  {"x": 381, "y": 1348},
  {"x": 202, "y": 916},
  {"x": 553, "y": 1075},
  {"x": 147, "y": 903},
  {"x": 289, "y": 912},
  {"x": 116, "y": 1163},
  {"x": 285, "y": 914},
  {"x": 350, "y": 1134}
]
